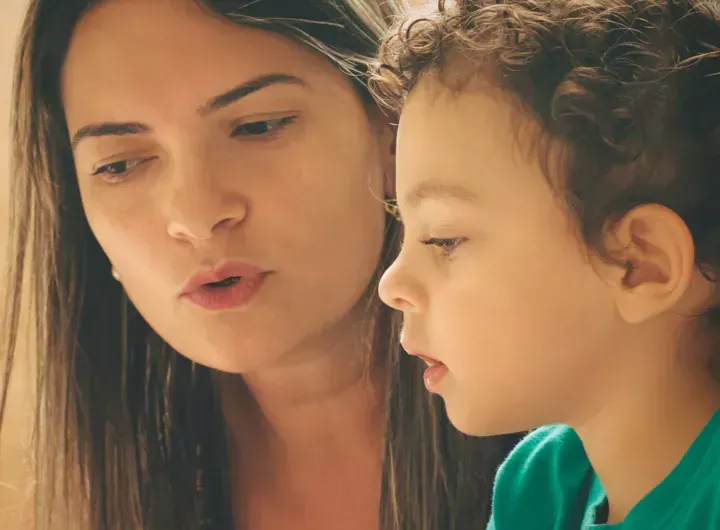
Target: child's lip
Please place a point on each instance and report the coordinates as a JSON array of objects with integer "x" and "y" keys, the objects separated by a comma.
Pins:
[{"x": 430, "y": 361}]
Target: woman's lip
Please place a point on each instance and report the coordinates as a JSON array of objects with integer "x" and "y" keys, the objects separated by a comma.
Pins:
[
  {"x": 233, "y": 296},
  {"x": 228, "y": 269}
]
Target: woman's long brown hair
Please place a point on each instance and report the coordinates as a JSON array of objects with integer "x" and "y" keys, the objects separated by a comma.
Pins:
[{"x": 129, "y": 434}]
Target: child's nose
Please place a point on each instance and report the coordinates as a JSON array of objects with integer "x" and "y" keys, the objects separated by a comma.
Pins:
[{"x": 399, "y": 290}]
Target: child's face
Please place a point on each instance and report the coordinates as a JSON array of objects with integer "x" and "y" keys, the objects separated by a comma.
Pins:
[{"x": 492, "y": 280}]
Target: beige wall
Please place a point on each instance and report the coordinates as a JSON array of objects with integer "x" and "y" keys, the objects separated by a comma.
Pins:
[{"x": 12, "y": 452}]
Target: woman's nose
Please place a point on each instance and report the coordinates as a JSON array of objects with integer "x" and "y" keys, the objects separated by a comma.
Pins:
[{"x": 197, "y": 210}]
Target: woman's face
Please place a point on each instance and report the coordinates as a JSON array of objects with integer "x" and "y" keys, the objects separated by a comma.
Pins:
[{"x": 199, "y": 144}]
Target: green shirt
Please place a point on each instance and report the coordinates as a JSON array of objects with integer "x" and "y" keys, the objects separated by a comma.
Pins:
[{"x": 547, "y": 483}]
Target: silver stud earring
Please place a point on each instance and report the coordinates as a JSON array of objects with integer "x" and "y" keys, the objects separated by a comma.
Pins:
[{"x": 115, "y": 274}]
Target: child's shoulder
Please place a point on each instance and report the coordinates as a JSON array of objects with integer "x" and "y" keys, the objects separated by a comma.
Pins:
[
  {"x": 550, "y": 452},
  {"x": 540, "y": 479}
]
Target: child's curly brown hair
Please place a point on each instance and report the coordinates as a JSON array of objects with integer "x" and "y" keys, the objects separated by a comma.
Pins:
[{"x": 630, "y": 87}]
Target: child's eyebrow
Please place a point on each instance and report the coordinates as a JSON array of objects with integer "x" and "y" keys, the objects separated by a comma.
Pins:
[{"x": 433, "y": 189}]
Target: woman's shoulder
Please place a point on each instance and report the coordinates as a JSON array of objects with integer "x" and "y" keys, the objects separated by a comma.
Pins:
[{"x": 540, "y": 479}]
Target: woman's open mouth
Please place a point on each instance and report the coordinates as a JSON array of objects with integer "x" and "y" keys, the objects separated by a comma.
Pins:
[
  {"x": 227, "y": 282},
  {"x": 231, "y": 293},
  {"x": 230, "y": 286}
]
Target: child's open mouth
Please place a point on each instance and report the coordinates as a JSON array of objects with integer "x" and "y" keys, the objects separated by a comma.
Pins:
[{"x": 434, "y": 373}]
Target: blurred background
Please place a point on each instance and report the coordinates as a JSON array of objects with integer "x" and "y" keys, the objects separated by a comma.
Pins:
[
  {"x": 13, "y": 455},
  {"x": 14, "y": 480}
]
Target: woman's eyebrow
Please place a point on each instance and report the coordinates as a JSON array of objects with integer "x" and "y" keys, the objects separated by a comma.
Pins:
[{"x": 95, "y": 130}]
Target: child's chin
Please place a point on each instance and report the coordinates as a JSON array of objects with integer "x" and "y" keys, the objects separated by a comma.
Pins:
[{"x": 479, "y": 421}]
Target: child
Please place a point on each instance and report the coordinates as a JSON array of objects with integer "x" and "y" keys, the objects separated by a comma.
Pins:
[{"x": 559, "y": 182}]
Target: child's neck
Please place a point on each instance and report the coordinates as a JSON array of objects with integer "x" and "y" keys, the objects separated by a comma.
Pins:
[{"x": 635, "y": 442}]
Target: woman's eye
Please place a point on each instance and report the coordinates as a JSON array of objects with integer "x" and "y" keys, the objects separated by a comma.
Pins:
[
  {"x": 446, "y": 245},
  {"x": 262, "y": 127},
  {"x": 118, "y": 170}
]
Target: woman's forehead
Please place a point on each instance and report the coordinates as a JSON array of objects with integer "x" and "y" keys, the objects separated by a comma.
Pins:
[
  {"x": 131, "y": 54},
  {"x": 127, "y": 38}
]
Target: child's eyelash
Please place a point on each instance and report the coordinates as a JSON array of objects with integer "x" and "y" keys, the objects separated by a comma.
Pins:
[{"x": 447, "y": 245}]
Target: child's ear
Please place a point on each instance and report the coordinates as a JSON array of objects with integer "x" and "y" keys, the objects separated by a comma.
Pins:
[{"x": 655, "y": 260}]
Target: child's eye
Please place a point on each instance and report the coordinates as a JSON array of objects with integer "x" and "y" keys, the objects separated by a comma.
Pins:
[{"x": 446, "y": 245}]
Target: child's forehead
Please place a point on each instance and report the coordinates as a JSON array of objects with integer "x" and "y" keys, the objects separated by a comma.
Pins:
[
  {"x": 473, "y": 139},
  {"x": 478, "y": 103},
  {"x": 462, "y": 124}
]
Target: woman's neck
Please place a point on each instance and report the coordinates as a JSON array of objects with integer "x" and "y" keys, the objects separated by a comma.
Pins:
[
  {"x": 307, "y": 435},
  {"x": 322, "y": 400}
]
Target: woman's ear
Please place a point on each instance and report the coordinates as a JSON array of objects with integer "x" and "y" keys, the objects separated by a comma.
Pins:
[
  {"x": 390, "y": 189},
  {"x": 389, "y": 161},
  {"x": 386, "y": 130}
]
